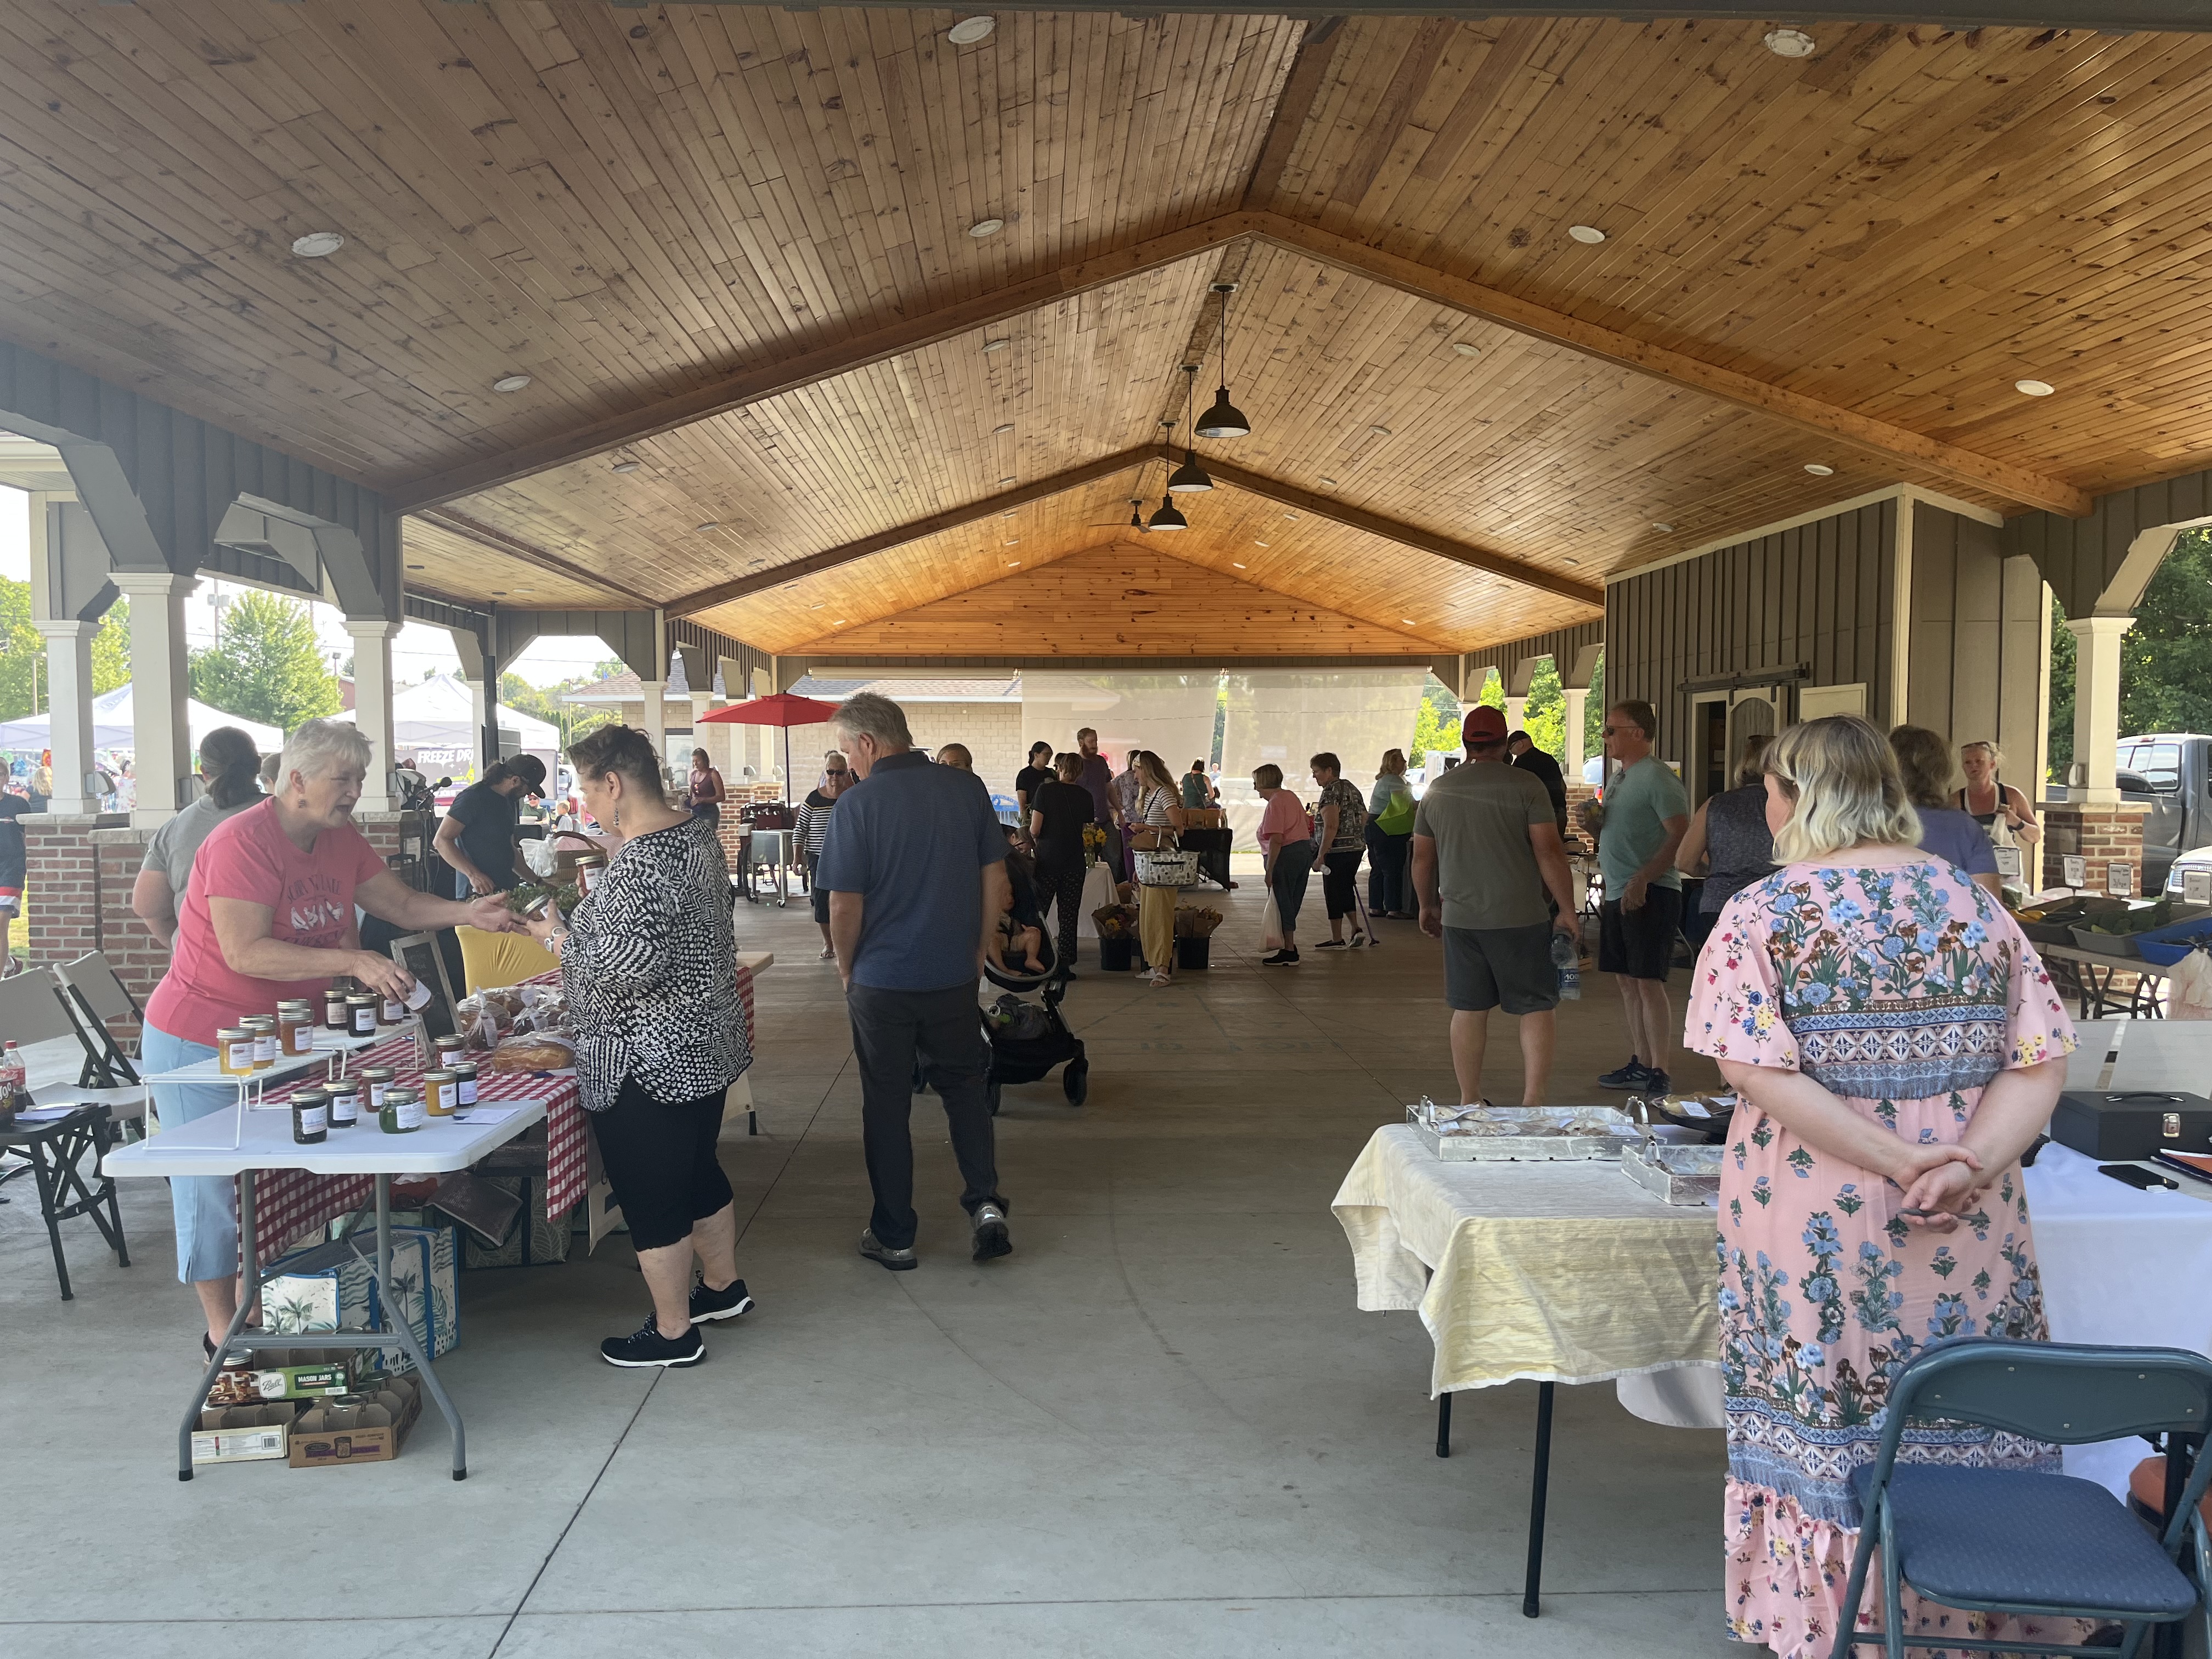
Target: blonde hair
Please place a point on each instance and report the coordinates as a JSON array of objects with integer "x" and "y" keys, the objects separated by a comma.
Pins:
[
  {"x": 1153, "y": 770},
  {"x": 1996, "y": 755},
  {"x": 1843, "y": 775},
  {"x": 1394, "y": 763}
]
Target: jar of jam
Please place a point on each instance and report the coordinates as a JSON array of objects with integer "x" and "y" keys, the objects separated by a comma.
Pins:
[
  {"x": 450, "y": 1050},
  {"x": 265, "y": 1040},
  {"x": 235, "y": 1048},
  {"x": 390, "y": 1010},
  {"x": 296, "y": 1028},
  {"x": 589, "y": 867},
  {"x": 376, "y": 1079},
  {"x": 441, "y": 1092},
  {"x": 361, "y": 1013},
  {"x": 311, "y": 1117},
  {"x": 402, "y": 1111},
  {"x": 345, "y": 1103},
  {"x": 464, "y": 1082},
  {"x": 335, "y": 1018}
]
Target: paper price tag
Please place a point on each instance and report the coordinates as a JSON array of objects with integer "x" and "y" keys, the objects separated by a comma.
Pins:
[
  {"x": 2008, "y": 864},
  {"x": 2196, "y": 886},
  {"x": 2076, "y": 870},
  {"x": 2120, "y": 880}
]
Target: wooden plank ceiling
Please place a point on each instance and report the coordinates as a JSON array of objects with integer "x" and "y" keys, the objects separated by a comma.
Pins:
[{"x": 631, "y": 205}]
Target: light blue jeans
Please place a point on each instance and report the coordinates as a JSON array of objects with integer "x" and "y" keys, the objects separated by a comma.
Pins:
[{"x": 206, "y": 1205}]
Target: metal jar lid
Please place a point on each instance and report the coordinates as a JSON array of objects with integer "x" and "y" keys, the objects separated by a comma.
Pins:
[{"x": 377, "y": 1074}]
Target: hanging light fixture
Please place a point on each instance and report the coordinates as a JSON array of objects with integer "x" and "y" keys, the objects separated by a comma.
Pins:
[
  {"x": 1225, "y": 419},
  {"x": 1168, "y": 518},
  {"x": 1136, "y": 513},
  {"x": 1191, "y": 476}
]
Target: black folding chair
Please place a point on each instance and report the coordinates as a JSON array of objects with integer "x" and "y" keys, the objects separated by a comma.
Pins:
[
  {"x": 93, "y": 995},
  {"x": 2010, "y": 1540}
]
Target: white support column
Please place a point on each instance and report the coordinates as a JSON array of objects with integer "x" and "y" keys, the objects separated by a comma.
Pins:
[
  {"x": 1514, "y": 707},
  {"x": 2097, "y": 701},
  {"x": 161, "y": 681},
  {"x": 372, "y": 706},
  {"x": 655, "y": 719},
  {"x": 481, "y": 705},
  {"x": 69, "y": 681},
  {"x": 1577, "y": 712}
]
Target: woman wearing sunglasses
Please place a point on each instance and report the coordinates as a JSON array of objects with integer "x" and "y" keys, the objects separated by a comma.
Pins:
[{"x": 813, "y": 828}]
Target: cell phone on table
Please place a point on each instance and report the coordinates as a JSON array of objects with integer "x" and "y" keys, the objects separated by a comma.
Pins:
[{"x": 2142, "y": 1180}]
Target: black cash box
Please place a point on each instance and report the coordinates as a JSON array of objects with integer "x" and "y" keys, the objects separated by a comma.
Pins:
[{"x": 2115, "y": 1124}]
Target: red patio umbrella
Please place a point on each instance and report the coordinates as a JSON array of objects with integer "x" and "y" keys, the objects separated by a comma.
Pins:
[{"x": 782, "y": 709}]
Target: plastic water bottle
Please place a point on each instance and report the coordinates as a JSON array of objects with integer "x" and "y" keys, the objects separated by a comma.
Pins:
[{"x": 1569, "y": 961}]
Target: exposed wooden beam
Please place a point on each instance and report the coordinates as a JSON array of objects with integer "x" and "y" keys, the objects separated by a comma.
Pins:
[
  {"x": 1893, "y": 444},
  {"x": 772, "y": 377},
  {"x": 990, "y": 507},
  {"x": 1406, "y": 535},
  {"x": 484, "y": 535}
]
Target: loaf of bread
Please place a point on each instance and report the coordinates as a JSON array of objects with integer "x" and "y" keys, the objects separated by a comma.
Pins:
[{"x": 536, "y": 1052}]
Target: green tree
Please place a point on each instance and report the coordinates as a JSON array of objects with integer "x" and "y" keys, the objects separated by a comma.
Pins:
[
  {"x": 2061, "y": 692},
  {"x": 269, "y": 666},
  {"x": 23, "y": 688},
  {"x": 1435, "y": 722},
  {"x": 1544, "y": 716},
  {"x": 1594, "y": 711},
  {"x": 2165, "y": 658}
]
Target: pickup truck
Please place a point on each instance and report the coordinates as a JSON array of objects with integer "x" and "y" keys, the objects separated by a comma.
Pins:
[{"x": 2171, "y": 773}]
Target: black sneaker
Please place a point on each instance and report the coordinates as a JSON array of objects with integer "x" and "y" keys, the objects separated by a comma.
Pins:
[
  {"x": 1631, "y": 1076},
  {"x": 725, "y": 1303},
  {"x": 1657, "y": 1083},
  {"x": 991, "y": 1240},
  {"x": 898, "y": 1262},
  {"x": 1331, "y": 945},
  {"x": 648, "y": 1347},
  {"x": 1281, "y": 959}
]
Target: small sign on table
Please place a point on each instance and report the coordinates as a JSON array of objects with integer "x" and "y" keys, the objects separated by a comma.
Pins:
[
  {"x": 2076, "y": 870},
  {"x": 2008, "y": 862},
  {"x": 2120, "y": 880},
  {"x": 2196, "y": 886}
]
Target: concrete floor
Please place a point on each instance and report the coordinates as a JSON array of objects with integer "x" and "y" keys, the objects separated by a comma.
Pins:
[{"x": 1159, "y": 1428}]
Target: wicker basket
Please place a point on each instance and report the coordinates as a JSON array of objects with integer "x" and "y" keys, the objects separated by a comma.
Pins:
[{"x": 1166, "y": 867}]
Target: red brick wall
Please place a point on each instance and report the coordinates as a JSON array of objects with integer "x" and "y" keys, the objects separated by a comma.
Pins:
[
  {"x": 79, "y": 874},
  {"x": 2103, "y": 835}
]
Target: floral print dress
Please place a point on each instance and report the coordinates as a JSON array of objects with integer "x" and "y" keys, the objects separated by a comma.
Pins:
[{"x": 1903, "y": 990}]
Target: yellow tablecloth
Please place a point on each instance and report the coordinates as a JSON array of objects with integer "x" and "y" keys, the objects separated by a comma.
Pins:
[{"x": 1565, "y": 1272}]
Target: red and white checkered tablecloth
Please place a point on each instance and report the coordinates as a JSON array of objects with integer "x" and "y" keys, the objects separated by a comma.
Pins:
[{"x": 289, "y": 1204}]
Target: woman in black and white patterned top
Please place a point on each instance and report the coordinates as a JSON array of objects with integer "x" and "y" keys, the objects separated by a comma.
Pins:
[{"x": 649, "y": 965}]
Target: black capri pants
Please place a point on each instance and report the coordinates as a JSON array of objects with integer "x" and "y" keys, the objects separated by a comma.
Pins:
[
  {"x": 1339, "y": 889},
  {"x": 660, "y": 1159}
]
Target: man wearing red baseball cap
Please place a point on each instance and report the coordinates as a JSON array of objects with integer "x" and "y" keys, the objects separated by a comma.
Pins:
[{"x": 1485, "y": 849}]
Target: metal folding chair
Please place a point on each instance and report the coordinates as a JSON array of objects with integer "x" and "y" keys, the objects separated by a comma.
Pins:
[
  {"x": 93, "y": 995},
  {"x": 2009, "y": 1540}
]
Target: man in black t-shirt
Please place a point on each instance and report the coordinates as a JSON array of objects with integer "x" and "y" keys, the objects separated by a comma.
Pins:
[
  {"x": 479, "y": 834},
  {"x": 1522, "y": 755}
]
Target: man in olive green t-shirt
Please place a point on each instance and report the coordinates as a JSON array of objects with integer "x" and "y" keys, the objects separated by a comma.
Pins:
[{"x": 1646, "y": 813}]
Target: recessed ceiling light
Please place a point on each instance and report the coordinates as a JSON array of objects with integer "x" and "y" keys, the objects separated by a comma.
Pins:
[
  {"x": 817, "y": 605},
  {"x": 1409, "y": 622},
  {"x": 1789, "y": 43},
  {"x": 1239, "y": 566},
  {"x": 968, "y": 30},
  {"x": 1571, "y": 560},
  {"x": 414, "y": 567},
  {"x": 318, "y": 243},
  {"x": 996, "y": 345},
  {"x": 1467, "y": 349},
  {"x": 499, "y": 592},
  {"x": 1011, "y": 541},
  {"x": 510, "y": 383},
  {"x": 1663, "y": 529},
  {"x": 1289, "y": 515},
  {"x": 2034, "y": 388},
  {"x": 1328, "y": 481},
  {"x": 1590, "y": 233},
  {"x": 623, "y": 466},
  {"x": 1000, "y": 431},
  {"x": 711, "y": 524},
  {"x": 1818, "y": 471},
  {"x": 1013, "y": 564},
  {"x": 1258, "y": 543},
  {"x": 1006, "y": 481},
  {"x": 840, "y": 622},
  {"x": 983, "y": 228},
  {"x": 1380, "y": 431}
]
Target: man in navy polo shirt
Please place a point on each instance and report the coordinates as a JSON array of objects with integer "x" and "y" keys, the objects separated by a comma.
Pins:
[{"x": 916, "y": 873}]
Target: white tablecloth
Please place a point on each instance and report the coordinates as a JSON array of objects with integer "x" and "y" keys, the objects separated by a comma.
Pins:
[{"x": 1098, "y": 893}]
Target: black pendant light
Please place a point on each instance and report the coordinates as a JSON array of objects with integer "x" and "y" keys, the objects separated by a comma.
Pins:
[
  {"x": 1225, "y": 419},
  {"x": 1168, "y": 518},
  {"x": 1191, "y": 476}
]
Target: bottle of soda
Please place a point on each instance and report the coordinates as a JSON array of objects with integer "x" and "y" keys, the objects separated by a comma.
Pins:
[
  {"x": 13, "y": 1074},
  {"x": 1568, "y": 960}
]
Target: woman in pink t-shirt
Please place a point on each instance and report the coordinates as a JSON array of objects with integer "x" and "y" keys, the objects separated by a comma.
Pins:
[
  {"x": 270, "y": 916},
  {"x": 1286, "y": 842}
]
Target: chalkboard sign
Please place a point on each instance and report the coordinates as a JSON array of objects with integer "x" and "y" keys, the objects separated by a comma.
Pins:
[{"x": 419, "y": 955}]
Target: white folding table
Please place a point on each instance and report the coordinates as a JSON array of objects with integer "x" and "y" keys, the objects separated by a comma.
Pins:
[{"x": 241, "y": 1142}]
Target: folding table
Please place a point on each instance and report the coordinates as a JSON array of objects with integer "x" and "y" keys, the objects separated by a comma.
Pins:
[{"x": 242, "y": 1141}]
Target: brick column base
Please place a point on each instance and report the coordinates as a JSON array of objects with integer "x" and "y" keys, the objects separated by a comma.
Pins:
[
  {"x": 1578, "y": 840},
  {"x": 2103, "y": 834}
]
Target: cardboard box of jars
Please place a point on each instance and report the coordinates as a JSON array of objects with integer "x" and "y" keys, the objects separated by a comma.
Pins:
[{"x": 312, "y": 1408}]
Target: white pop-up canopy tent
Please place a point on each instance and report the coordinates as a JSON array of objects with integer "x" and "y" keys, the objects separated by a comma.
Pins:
[
  {"x": 435, "y": 721},
  {"x": 112, "y": 726}
]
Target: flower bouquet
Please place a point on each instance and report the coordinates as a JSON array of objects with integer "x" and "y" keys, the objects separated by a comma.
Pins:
[
  {"x": 1094, "y": 843},
  {"x": 1116, "y": 921},
  {"x": 1196, "y": 921}
]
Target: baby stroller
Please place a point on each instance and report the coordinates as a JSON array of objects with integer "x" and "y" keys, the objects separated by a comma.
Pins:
[{"x": 1028, "y": 1039}]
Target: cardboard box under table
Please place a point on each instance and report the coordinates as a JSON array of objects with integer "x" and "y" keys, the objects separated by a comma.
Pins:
[
  {"x": 247, "y": 1143},
  {"x": 1562, "y": 1271}
]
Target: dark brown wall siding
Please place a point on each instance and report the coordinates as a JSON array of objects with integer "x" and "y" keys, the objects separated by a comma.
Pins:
[
  {"x": 2079, "y": 556},
  {"x": 1822, "y": 594},
  {"x": 1561, "y": 645}
]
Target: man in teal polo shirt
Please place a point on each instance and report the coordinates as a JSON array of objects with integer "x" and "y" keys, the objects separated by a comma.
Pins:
[
  {"x": 1646, "y": 813},
  {"x": 915, "y": 869}
]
